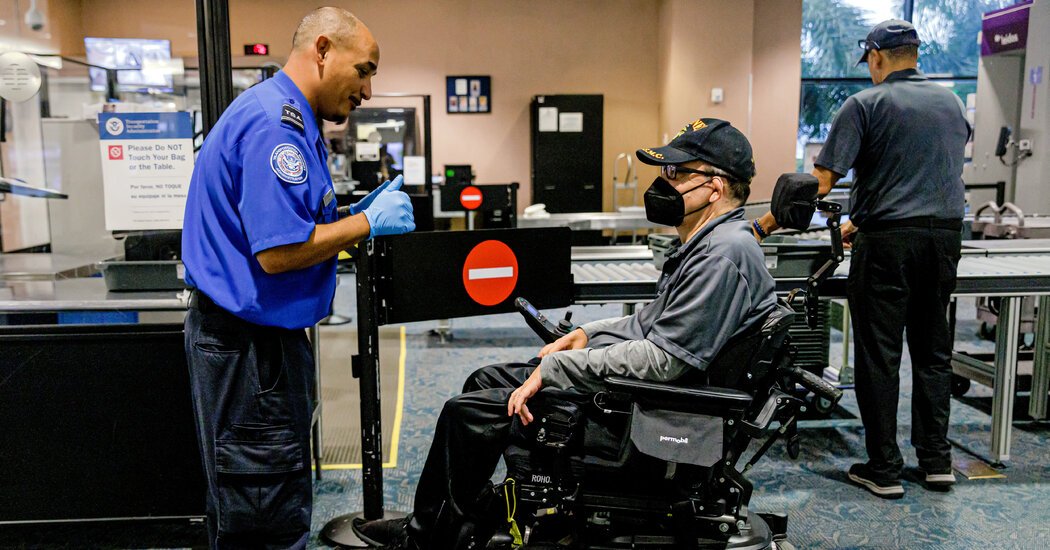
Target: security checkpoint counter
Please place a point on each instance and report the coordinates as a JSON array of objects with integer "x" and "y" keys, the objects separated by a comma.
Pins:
[
  {"x": 96, "y": 419},
  {"x": 987, "y": 268}
]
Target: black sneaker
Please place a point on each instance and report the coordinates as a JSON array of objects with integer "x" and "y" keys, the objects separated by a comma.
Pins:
[
  {"x": 938, "y": 480},
  {"x": 383, "y": 532},
  {"x": 883, "y": 488}
]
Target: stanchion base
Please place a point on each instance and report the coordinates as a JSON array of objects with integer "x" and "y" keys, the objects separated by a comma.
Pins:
[
  {"x": 334, "y": 319},
  {"x": 340, "y": 531}
]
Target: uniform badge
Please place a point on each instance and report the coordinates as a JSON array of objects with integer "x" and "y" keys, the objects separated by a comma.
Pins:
[
  {"x": 288, "y": 163},
  {"x": 292, "y": 116}
]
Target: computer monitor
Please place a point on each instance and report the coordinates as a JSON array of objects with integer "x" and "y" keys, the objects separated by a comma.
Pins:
[{"x": 137, "y": 57}]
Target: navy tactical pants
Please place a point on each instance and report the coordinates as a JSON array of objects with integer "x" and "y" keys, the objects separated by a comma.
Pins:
[
  {"x": 471, "y": 434},
  {"x": 903, "y": 278},
  {"x": 252, "y": 388}
]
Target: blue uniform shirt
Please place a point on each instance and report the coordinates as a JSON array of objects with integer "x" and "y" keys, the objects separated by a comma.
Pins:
[{"x": 261, "y": 180}]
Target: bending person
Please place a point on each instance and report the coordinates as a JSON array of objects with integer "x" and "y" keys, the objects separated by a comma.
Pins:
[{"x": 714, "y": 285}]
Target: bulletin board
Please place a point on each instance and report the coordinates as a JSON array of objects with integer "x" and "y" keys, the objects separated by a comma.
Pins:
[{"x": 468, "y": 95}]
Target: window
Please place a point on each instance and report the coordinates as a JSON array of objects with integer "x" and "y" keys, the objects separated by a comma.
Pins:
[{"x": 831, "y": 28}]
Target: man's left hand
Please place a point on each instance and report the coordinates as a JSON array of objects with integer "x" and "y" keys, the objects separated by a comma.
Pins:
[
  {"x": 516, "y": 404},
  {"x": 364, "y": 203}
]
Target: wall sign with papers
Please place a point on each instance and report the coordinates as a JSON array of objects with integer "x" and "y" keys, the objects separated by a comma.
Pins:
[
  {"x": 468, "y": 94},
  {"x": 147, "y": 161}
]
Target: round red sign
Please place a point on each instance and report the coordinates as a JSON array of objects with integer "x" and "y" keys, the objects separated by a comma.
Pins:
[
  {"x": 470, "y": 197},
  {"x": 490, "y": 272}
]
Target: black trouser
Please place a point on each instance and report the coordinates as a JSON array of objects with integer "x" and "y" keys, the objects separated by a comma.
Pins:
[
  {"x": 471, "y": 434},
  {"x": 251, "y": 397},
  {"x": 901, "y": 278}
]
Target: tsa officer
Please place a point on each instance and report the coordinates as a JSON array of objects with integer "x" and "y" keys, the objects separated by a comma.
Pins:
[{"x": 260, "y": 240}]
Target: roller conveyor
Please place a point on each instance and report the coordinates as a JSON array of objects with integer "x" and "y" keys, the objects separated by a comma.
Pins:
[{"x": 992, "y": 272}]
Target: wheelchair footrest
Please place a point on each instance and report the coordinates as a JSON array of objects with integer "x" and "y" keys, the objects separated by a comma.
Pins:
[{"x": 778, "y": 524}]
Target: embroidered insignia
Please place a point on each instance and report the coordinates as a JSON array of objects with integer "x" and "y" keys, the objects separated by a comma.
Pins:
[
  {"x": 292, "y": 116},
  {"x": 654, "y": 154},
  {"x": 288, "y": 163}
]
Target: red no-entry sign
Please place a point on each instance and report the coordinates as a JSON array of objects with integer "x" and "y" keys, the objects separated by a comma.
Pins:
[
  {"x": 470, "y": 197},
  {"x": 490, "y": 272}
]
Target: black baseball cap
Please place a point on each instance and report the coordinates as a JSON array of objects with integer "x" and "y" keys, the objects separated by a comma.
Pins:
[
  {"x": 888, "y": 34},
  {"x": 711, "y": 140}
]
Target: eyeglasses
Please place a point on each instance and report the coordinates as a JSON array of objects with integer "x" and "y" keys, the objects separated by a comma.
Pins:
[{"x": 670, "y": 171}]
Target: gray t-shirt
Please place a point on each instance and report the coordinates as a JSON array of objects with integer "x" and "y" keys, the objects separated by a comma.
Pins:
[
  {"x": 905, "y": 139},
  {"x": 711, "y": 288}
]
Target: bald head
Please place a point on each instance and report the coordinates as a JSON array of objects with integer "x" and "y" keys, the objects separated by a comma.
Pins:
[
  {"x": 334, "y": 57},
  {"x": 337, "y": 24}
]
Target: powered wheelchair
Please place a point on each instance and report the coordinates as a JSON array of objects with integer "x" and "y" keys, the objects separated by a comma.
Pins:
[{"x": 657, "y": 465}]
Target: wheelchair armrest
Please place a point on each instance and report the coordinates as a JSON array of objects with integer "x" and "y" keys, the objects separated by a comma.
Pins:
[{"x": 679, "y": 397}]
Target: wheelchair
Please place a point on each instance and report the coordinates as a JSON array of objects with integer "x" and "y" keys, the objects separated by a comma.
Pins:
[{"x": 657, "y": 465}]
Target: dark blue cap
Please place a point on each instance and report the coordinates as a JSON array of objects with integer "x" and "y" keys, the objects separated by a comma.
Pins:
[
  {"x": 711, "y": 140},
  {"x": 889, "y": 34}
]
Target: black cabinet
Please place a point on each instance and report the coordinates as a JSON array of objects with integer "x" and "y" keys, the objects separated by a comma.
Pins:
[{"x": 567, "y": 152}]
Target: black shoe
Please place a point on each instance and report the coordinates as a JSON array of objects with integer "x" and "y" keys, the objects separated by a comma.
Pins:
[
  {"x": 384, "y": 533},
  {"x": 939, "y": 480},
  {"x": 883, "y": 488}
]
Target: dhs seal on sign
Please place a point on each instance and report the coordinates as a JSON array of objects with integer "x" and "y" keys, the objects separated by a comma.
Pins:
[{"x": 288, "y": 163}]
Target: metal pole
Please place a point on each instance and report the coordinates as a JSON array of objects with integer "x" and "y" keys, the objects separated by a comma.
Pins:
[
  {"x": 368, "y": 370},
  {"x": 1041, "y": 368},
  {"x": 340, "y": 530},
  {"x": 1006, "y": 342},
  {"x": 213, "y": 51}
]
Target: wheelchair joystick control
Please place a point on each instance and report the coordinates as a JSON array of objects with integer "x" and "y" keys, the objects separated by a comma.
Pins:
[
  {"x": 566, "y": 323},
  {"x": 540, "y": 324}
]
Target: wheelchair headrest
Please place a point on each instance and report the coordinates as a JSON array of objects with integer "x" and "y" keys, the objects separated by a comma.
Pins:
[
  {"x": 779, "y": 319},
  {"x": 794, "y": 200}
]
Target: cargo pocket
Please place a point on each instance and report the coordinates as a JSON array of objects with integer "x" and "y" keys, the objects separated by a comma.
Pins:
[{"x": 262, "y": 484}]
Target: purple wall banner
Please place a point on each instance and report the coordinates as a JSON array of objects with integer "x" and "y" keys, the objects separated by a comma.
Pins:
[{"x": 1005, "y": 30}]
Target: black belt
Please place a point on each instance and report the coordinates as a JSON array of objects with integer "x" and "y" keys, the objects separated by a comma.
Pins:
[
  {"x": 916, "y": 223},
  {"x": 201, "y": 302}
]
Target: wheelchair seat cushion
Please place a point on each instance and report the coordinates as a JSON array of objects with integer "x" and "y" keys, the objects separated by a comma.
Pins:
[{"x": 679, "y": 396}]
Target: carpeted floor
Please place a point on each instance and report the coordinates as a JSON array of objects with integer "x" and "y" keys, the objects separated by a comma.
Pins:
[{"x": 825, "y": 510}]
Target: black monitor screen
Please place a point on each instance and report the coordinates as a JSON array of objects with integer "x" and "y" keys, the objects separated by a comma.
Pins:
[{"x": 143, "y": 63}]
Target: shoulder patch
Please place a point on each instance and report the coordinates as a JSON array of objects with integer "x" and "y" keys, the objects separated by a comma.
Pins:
[
  {"x": 288, "y": 163},
  {"x": 292, "y": 116}
]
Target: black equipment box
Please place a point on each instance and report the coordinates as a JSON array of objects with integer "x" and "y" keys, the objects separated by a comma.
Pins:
[
  {"x": 493, "y": 197},
  {"x": 790, "y": 257}
]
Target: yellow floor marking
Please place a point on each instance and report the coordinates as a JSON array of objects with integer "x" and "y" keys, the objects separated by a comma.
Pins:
[{"x": 398, "y": 409}]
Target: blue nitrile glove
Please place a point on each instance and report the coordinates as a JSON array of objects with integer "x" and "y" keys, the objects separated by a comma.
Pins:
[
  {"x": 364, "y": 203},
  {"x": 390, "y": 214}
]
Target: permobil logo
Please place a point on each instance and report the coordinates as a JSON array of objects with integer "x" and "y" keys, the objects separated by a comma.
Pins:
[
  {"x": 541, "y": 479},
  {"x": 669, "y": 439},
  {"x": 1005, "y": 39}
]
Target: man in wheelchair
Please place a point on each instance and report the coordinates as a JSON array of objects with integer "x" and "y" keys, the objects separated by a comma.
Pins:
[{"x": 603, "y": 436}]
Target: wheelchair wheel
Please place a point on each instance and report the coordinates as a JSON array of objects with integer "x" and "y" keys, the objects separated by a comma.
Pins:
[
  {"x": 822, "y": 405},
  {"x": 960, "y": 385}
]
